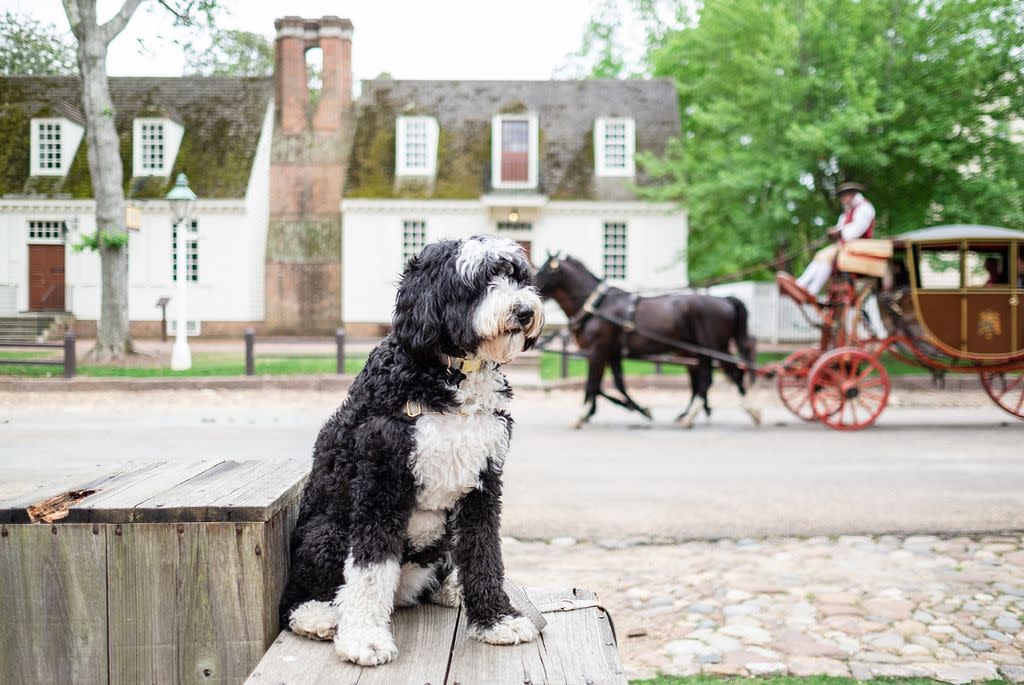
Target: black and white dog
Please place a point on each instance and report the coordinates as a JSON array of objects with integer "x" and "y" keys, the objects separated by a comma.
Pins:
[{"x": 403, "y": 502}]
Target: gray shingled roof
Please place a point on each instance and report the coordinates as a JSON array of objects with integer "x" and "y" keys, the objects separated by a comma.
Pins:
[
  {"x": 222, "y": 117},
  {"x": 566, "y": 112}
]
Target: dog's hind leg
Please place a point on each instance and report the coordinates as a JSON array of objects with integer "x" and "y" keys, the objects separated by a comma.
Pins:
[
  {"x": 449, "y": 592},
  {"x": 314, "y": 619}
]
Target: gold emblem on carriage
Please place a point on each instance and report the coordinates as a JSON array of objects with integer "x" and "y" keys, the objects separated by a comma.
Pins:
[{"x": 989, "y": 324}]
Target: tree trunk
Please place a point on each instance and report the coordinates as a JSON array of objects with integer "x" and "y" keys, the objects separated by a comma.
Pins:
[{"x": 112, "y": 336}]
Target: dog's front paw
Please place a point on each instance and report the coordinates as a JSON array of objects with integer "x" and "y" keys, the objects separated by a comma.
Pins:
[
  {"x": 509, "y": 630},
  {"x": 315, "y": 620},
  {"x": 365, "y": 646}
]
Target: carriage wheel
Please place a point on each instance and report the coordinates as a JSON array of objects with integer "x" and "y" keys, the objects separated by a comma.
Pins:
[
  {"x": 1006, "y": 389},
  {"x": 849, "y": 388},
  {"x": 792, "y": 382}
]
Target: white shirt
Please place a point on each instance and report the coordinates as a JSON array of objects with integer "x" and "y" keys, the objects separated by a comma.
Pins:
[{"x": 863, "y": 215}]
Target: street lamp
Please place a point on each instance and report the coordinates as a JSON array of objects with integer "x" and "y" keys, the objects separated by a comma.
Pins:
[{"x": 182, "y": 198}]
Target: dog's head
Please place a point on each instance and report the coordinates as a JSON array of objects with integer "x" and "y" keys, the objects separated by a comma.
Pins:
[{"x": 472, "y": 297}]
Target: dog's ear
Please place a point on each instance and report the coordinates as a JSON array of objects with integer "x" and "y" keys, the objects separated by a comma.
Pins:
[{"x": 417, "y": 322}]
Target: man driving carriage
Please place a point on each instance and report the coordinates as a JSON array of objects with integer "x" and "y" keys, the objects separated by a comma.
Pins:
[{"x": 857, "y": 221}]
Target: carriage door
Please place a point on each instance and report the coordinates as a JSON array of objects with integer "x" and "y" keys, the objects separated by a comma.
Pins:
[
  {"x": 989, "y": 311},
  {"x": 46, "y": 277}
]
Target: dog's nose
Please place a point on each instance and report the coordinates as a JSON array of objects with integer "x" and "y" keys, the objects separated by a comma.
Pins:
[{"x": 524, "y": 314}]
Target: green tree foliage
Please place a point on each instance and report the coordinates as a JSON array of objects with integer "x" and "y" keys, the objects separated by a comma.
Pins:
[
  {"x": 29, "y": 47},
  {"x": 781, "y": 100},
  {"x": 232, "y": 53}
]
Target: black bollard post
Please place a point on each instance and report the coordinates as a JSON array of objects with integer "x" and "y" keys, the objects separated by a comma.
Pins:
[
  {"x": 339, "y": 340},
  {"x": 69, "y": 353},
  {"x": 657, "y": 368},
  {"x": 565, "y": 354},
  {"x": 250, "y": 363}
]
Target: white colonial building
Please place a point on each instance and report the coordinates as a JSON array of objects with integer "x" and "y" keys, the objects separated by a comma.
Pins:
[
  {"x": 551, "y": 164},
  {"x": 216, "y": 130},
  {"x": 310, "y": 206}
]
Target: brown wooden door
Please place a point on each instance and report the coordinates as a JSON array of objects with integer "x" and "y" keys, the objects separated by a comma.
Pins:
[{"x": 46, "y": 277}]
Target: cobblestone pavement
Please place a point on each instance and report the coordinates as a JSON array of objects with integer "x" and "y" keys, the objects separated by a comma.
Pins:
[{"x": 920, "y": 606}]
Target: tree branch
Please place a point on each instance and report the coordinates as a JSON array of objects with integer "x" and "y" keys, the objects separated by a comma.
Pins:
[
  {"x": 119, "y": 20},
  {"x": 183, "y": 17},
  {"x": 74, "y": 16}
]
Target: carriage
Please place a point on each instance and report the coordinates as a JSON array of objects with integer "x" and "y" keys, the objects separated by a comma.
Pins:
[{"x": 948, "y": 300}]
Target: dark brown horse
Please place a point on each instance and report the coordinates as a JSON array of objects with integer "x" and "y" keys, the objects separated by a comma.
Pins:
[{"x": 702, "y": 320}]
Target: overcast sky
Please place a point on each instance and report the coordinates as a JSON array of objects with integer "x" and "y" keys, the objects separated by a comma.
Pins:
[{"x": 443, "y": 39}]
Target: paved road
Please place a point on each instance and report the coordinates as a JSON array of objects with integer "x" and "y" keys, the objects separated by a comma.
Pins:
[{"x": 921, "y": 469}]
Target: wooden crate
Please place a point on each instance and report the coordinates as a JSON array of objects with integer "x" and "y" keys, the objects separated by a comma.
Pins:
[
  {"x": 576, "y": 648},
  {"x": 166, "y": 573}
]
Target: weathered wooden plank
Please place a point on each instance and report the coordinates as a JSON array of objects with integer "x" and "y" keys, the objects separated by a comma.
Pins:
[
  {"x": 14, "y": 509},
  {"x": 575, "y": 647},
  {"x": 185, "y": 602},
  {"x": 116, "y": 503},
  {"x": 276, "y": 547},
  {"x": 423, "y": 636},
  {"x": 53, "y": 604},
  {"x": 233, "y": 491}
]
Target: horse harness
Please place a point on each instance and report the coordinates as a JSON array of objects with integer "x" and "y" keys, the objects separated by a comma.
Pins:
[{"x": 591, "y": 307}]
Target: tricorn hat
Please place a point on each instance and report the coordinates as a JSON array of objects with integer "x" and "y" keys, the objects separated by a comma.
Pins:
[{"x": 849, "y": 187}]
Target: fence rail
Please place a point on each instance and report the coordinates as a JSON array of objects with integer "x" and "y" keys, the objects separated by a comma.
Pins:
[
  {"x": 250, "y": 351},
  {"x": 68, "y": 361}
]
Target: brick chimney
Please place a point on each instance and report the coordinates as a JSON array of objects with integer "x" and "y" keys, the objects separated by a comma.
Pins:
[
  {"x": 309, "y": 159},
  {"x": 295, "y": 36}
]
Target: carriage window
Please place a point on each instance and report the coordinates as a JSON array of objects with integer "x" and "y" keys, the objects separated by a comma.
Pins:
[
  {"x": 938, "y": 267},
  {"x": 987, "y": 266},
  {"x": 1020, "y": 267}
]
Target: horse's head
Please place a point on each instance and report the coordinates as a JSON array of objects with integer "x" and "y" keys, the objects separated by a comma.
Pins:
[{"x": 552, "y": 273}]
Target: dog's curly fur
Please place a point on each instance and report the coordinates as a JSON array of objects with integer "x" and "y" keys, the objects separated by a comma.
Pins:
[{"x": 402, "y": 509}]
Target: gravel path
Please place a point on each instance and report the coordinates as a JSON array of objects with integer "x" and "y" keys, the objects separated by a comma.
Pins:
[{"x": 921, "y": 606}]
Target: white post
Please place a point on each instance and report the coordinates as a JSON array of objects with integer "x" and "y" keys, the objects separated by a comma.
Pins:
[{"x": 181, "y": 355}]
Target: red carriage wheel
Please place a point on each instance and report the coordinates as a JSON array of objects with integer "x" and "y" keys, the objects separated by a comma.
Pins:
[
  {"x": 1006, "y": 389},
  {"x": 792, "y": 382},
  {"x": 848, "y": 388}
]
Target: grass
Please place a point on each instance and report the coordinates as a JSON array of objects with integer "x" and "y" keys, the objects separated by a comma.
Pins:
[
  {"x": 787, "y": 680},
  {"x": 203, "y": 365},
  {"x": 551, "y": 366}
]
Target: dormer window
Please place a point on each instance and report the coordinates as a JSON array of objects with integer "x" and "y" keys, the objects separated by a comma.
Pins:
[
  {"x": 54, "y": 144},
  {"x": 614, "y": 147},
  {"x": 514, "y": 151},
  {"x": 155, "y": 145},
  {"x": 416, "y": 146}
]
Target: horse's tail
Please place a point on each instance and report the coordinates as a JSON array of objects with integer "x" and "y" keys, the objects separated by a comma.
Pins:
[{"x": 744, "y": 343}]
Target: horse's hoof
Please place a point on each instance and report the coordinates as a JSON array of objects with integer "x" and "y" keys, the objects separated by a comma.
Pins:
[
  {"x": 577, "y": 424},
  {"x": 686, "y": 421},
  {"x": 755, "y": 415},
  {"x": 646, "y": 412}
]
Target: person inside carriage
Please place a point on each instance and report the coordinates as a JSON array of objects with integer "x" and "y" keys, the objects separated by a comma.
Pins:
[{"x": 855, "y": 223}]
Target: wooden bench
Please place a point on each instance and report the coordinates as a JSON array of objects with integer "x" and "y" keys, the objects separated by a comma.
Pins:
[
  {"x": 172, "y": 573},
  {"x": 165, "y": 573},
  {"x": 576, "y": 648}
]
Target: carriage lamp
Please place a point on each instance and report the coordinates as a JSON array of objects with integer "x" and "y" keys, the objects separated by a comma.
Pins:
[
  {"x": 513, "y": 215},
  {"x": 182, "y": 199}
]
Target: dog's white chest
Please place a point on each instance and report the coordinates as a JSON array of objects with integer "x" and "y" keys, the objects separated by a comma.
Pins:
[{"x": 453, "y": 449}]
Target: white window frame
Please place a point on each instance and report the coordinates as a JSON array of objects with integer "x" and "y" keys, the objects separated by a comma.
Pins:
[
  {"x": 402, "y": 167},
  {"x": 532, "y": 161},
  {"x": 191, "y": 251},
  {"x": 70, "y": 137},
  {"x": 46, "y": 236},
  {"x": 172, "y": 135},
  {"x": 412, "y": 245},
  {"x": 601, "y": 147},
  {"x": 618, "y": 252}
]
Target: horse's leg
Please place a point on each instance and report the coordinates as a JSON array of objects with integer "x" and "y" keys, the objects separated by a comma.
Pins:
[
  {"x": 746, "y": 401},
  {"x": 701, "y": 379},
  {"x": 693, "y": 393},
  {"x": 620, "y": 384},
  {"x": 595, "y": 369}
]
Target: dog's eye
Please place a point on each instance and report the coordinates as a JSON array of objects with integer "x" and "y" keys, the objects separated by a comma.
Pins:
[{"x": 503, "y": 268}]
